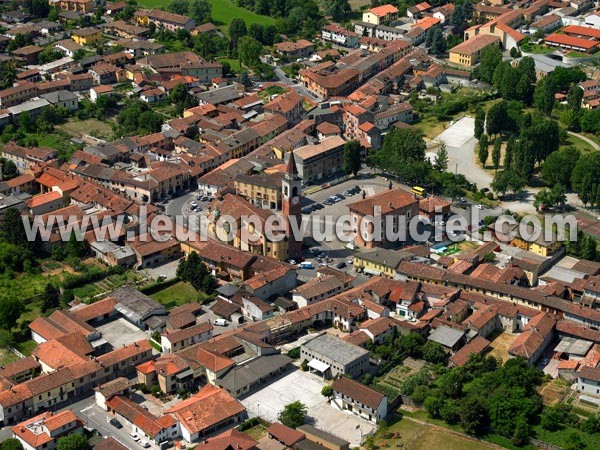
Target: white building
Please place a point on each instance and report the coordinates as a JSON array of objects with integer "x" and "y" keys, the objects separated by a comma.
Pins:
[{"x": 363, "y": 401}]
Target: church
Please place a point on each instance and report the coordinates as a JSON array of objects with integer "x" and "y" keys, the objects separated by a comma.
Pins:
[{"x": 251, "y": 214}]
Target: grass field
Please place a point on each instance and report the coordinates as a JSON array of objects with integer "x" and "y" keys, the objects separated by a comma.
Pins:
[
  {"x": 411, "y": 435},
  {"x": 223, "y": 12},
  {"x": 578, "y": 143},
  {"x": 178, "y": 294},
  {"x": 6, "y": 357},
  {"x": 93, "y": 127}
]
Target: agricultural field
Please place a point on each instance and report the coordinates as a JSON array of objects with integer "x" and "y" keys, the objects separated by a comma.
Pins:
[
  {"x": 391, "y": 382},
  {"x": 223, "y": 12}
]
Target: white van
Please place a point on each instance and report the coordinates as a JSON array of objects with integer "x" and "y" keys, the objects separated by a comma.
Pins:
[
  {"x": 306, "y": 265},
  {"x": 220, "y": 322}
]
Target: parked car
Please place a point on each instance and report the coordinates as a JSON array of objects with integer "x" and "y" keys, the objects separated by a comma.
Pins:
[
  {"x": 144, "y": 443},
  {"x": 115, "y": 423},
  {"x": 322, "y": 255},
  {"x": 340, "y": 265},
  {"x": 220, "y": 322},
  {"x": 133, "y": 435},
  {"x": 193, "y": 204},
  {"x": 479, "y": 206}
]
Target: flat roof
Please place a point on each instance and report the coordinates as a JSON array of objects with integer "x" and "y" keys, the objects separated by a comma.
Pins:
[{"x": 335, "y": 349}]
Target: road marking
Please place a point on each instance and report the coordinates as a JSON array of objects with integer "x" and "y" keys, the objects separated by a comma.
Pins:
[{"x": 87, "y": 408}]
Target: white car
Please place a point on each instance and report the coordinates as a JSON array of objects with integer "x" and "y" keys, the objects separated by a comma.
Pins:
[
  {"x": 133, "y": 435},
  {"x": 193, "y": 204},
  {"x": 480, "y": 206},
  {"x": 144, "y": 443}
]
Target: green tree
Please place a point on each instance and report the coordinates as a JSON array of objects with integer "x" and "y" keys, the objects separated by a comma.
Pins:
[
  {"x": 352, "y": 159},
  {"x": 327, "y": 391},
  {"x": 585, "y": 173},
  {"x": 508, "y": 152},
  {"x": 51, "y": 298},
  {"x": 76, "y": 246},
  {"x": 590, "y": 249},
  {"x": 496, "y": 153},
  {"x": 11, "y": 444},
  {"x": 10, "y": 310},
  {"x": 179, "y": 7},
  {"x": 237, "y": 29},
  {"x": 434, "y": 353},
  {"x": 473, "y": 416},
  {"x": 543, "y": 96},
  {"x": 200, "y": 10},
  {"x": 249, "y": 51},
  {"x": 479, "y": 122},
  {"x": 193, "y": 270},
  {"x": 522, "y": 433},
  {"x": 441, "y": 159},
  {"x": 9, "y": 169},
  {"x": 489, "y": 60},
  {"x": 483, "y": 149},
  {"x": 6, "y": 340},
  {"x": 496, "y": 119},
  {"x": 403, "y": 154},
  {"x": 73, "y": 442},
  {"x": 12, "y": 229},
  {"x": 574, "y": 97},
  {"x": 293, "y": 414}
]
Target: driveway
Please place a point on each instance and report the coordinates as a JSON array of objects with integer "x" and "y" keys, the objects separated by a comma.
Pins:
[{"x": 306, "y": 388}]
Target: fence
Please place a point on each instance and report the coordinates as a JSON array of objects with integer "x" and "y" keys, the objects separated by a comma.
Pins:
[{"x": 544, "y": 445}]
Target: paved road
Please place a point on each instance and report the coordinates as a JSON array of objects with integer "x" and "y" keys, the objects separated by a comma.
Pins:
[
  {"x": 298, "y": 87},
  {"x": 586, "y": 139}
]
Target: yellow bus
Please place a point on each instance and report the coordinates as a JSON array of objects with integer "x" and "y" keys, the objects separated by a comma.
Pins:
[{"x": 419, "y": 191}]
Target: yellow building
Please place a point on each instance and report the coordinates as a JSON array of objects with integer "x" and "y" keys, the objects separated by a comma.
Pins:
[
  {"x": 80, "y": 6},
  {"x": 380, "y": 14},
  {"x": 263, "y": 191},
  {"x": 468, "y": 52},
  {"x": 87, "y": 36},
  {"x": 379, "y": 262}
]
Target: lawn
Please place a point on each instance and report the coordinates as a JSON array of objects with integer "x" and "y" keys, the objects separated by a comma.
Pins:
[
  {"x": 93, "y": 127},
  {"x": 537, "y": 49},
  {"x": 178, "y": 294},
  {"x": 7, "y": 357},
  {"x": 223, "y": 12},
  {"x": 411, "y": 435},
  {"x": 234, "y": 64},
  {"x": 431, "y": 126},
  {"x": 578, "y": 143}
]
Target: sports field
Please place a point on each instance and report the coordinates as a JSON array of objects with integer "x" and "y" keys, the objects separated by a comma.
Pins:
[{"x": 223, "y": 12}]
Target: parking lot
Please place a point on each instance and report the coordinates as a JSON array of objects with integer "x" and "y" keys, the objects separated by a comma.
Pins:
[
  {"x": 120, "y": 332},
  {"x": 306, "y": 388}
]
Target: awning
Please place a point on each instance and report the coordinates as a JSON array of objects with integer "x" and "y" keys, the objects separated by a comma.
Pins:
[
  {"x": 372, "y": 272},
  {"x": 318, "y": 365}
]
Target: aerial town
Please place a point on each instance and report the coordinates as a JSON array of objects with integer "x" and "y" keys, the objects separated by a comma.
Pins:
[{"x": 315, "y": 225}]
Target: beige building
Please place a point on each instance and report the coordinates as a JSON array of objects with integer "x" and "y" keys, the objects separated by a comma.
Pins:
[{"x": 468, "y": 52}]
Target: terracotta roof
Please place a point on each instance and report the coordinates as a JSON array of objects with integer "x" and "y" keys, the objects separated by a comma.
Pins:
[
  {"x": 228, "y": 440},
  {"x": 388, "y": 201},
  {"x": 188, "y": 333},
  {"x": 134, "y": 413},
  {"x": 475, "y": 44},
  {"x": 210, "y": 406},
  {"x": 563, "y": 39},
  {"x": 590, "y": 373},
  {"x": 124, "y": 353},
  {"x": 286, "y": 435},
  {"x": 95, "y": 310},
  {"x": 42, "y": 199},
  {"x": 532, "y": 336},
  {"x": 477, "y": 345},
  {"x": 213, "y": 361},
  {"x": 42, "y": 429},
  {"x": 384, "y": 10},
  {"x": 28, "y": 364},
  {"x": 109, "y": 443},
  {"x": 358, "y": 392}
]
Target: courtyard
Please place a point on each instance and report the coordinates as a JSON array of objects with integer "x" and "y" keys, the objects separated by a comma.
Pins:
[
  {"x": 120, "y": 332},
  {"x": 306, "y": 388}
]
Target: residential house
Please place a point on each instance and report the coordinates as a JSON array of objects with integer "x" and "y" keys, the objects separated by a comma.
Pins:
[{"x": 363, "y": 401}]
